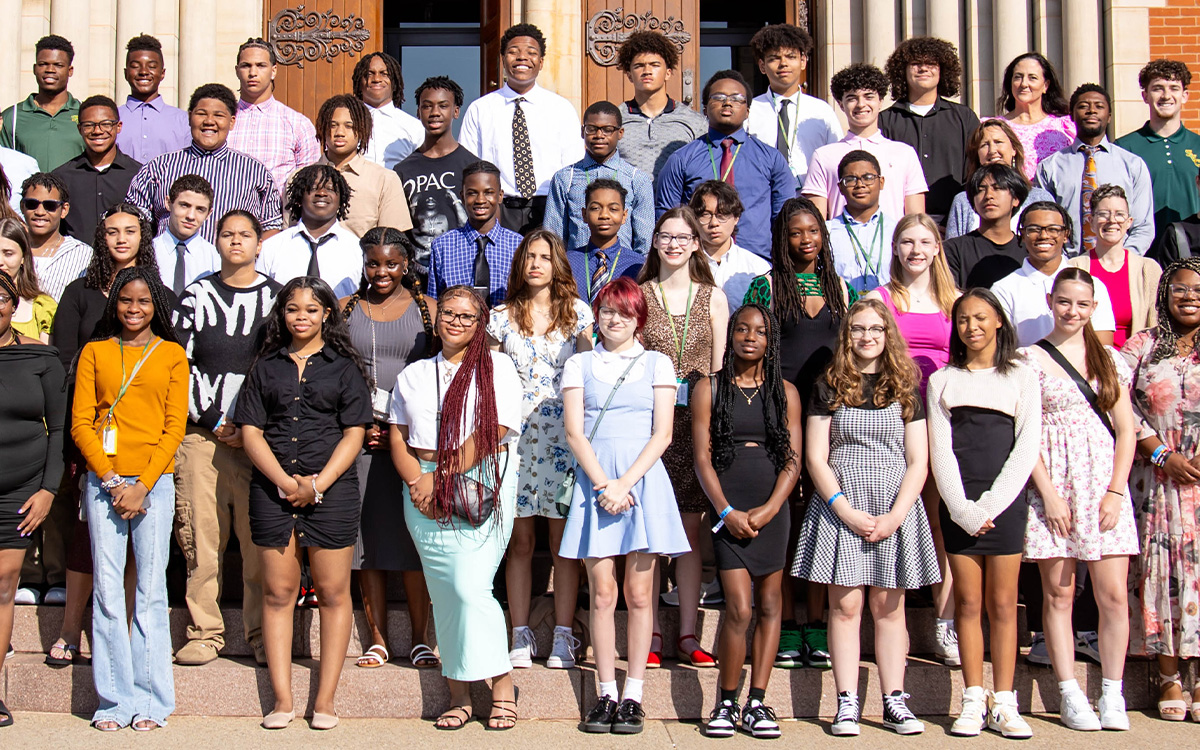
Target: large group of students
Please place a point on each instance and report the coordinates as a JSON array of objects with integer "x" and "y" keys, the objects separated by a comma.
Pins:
[{"x": 967, "y": 351}]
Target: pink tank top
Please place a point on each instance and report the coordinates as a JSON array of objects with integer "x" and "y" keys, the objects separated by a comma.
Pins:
[
  {"x": 1117, "y": 283},
  {"x": 927, "y": 334}
]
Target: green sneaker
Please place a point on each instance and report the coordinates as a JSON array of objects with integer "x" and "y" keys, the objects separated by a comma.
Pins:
[
  {"x": 791, "y": 649},
  {"x": 815, "y": 638}
]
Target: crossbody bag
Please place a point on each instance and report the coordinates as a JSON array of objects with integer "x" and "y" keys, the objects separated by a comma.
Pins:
[{"x": 1085, "y": 387}]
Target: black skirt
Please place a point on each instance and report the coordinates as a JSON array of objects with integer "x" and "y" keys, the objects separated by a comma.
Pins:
[
  {"x": 747, "y": 484},
  {"x": 331, "y": 525},
  {"x": 383, "y": 540}
]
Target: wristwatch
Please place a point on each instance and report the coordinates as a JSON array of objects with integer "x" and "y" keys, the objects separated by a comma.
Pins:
[{"x": 318, "y": 496}]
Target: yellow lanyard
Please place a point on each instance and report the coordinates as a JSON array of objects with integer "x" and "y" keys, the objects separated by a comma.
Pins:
[
  {"x": 728, "y": 169},
  {"x": 687, "y": 318}
]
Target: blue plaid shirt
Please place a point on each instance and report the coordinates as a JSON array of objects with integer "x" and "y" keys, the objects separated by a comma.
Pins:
[
  {"x": 567, "y": 199},
  {"x": 452, "y": 260},
  {"x": 622, "y": 261}
]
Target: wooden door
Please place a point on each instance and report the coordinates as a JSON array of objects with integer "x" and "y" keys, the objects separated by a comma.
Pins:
[
  {"x": 318, "y": 46},
  {"x": 609, "y": 22},
  {"x": 495, "y": 16}
]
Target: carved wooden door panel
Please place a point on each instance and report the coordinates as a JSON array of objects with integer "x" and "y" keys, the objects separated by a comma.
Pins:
[
  {"x": 495, "y": 17},
  {"x": 318, "y": 46},
  {"x": 609, "y": 22}
]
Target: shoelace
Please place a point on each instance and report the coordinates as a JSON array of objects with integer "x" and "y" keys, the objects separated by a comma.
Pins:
[
  {"x": 524, "y": 638},
  {"x": 847, "y": 709},
  {"x": 727, "y": 710},
  {"x": 571, "y": 640},
  {"x": 895, "y": 704},
  {"x": 817, "y": 638},
  {"x": 950, "y": 636},
  {"x": 759, "y": 712}
]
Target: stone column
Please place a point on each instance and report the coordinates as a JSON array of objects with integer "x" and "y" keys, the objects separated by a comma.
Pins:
[
  {"x": 71, "y": 19},
  {"x": 562, "y": 24},
  {"x": 1010, "y": 36},
  {"x": 879, "y": 30},
  {"x": 135, "y": 17},
  {"x": 979, "y": 81},
  {"x": 1081, "y": 43}
]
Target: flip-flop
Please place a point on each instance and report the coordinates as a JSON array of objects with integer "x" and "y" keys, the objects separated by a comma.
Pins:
[
  {"x": 422, "y": 657},
  {"x": 6, "y": 718},
  {"x": 71, "y": 653},
  {"x": 372, "y": 658}
]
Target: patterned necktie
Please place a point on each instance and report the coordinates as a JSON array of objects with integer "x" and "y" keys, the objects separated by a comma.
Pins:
[
  {"x": 483, "y": 272},
  {"x": 314, "y": 268},
  {"x": 784, "y": 131},
  {"x": 727, "y": 155},
  {"x": 1085, "y": 198},
  {"x": 180, "y": 272},
  {"x": 522, "y": 153},
  {"x": 600, "y": 272}
]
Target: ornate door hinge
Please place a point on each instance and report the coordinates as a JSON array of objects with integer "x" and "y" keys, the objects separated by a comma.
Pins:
[
  {"x": 608, "y": 29},
  {"x": 300, "y": 36}
]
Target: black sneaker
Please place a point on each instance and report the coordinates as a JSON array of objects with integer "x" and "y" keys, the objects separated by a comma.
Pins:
[
  {"x": 759, "y": 720},
  {"x": 722, "y": 722},
  {"x": 599, "y": 720},
  {"x": 629, "y": 719},
  {"x": 896, "y": 715}
]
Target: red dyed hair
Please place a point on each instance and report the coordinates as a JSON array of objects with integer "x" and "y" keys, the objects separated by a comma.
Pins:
[{"x": 623, "y": 295}]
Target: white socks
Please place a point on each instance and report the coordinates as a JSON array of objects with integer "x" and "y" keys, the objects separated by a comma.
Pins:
[
  {"x": 1069, "y": 686},
  {"x": 1112, "y": 687},
  {"x": 609, "y": 690},
  {"x": 633, "y": 690}
]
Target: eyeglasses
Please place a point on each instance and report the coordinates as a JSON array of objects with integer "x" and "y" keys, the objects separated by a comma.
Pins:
[
  {"x": 91, "y": 127},
  {"x": 31, "y": 204},
  {"x": 466, "y": 320},
  {"x": 1053, "y": 231},
  {"x": 723, "y": 98},
  {"x": 1117, "y": 216},
  {"x": 1182, "y": 290},
  {"x": 852, "y": 180},
  {"x": 664, "y": 240},
  {"x": 858, "y": 332},
  {"x": 593, "y": 129},
  {"x": 709, "y": 216},
  {"x": 608, "y": 313}
]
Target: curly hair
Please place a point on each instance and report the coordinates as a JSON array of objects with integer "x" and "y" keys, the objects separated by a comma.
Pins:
[
  {"x": 1097, "y": 362},
  {"x": 444, "y": 83},
  {"x": 926, "y": 49},
  {"x": 858, "y": 77},
  {"x": 191, "y": 183},
  {"x": 160, "y": 325},
  {"x": 563, "y": 289},
  {"x": 698, "y": 268},
  {"x": 780, "y": 36},
  {"x": 102, "y": 267},
  {"x": 218, "y": 91},
  {"x": 362, "y": 71},
  {"x": 647, "y": 43},
  {"x": 523, "y": 29},
  {"x": 310, "y": 178},
  {"x": 786, "y": 298},
  {"x": 55, "y": 42},
  {"x": 899, "y": 377},
  {"x": 604, "y": 183},
  {"x": 774, "y": 399},
  {"x": 1166, "y": 333},
  {"x": 334, "y": 331},
  {"x": 1054, "y": 102},
  {"x": 1005, "y": 358},
  {"x": 360, "y": 120},
  {"x": 1164, "y": 69},
  {"x": 387, "y": 236},
  {"x": 26, "y": 279}
]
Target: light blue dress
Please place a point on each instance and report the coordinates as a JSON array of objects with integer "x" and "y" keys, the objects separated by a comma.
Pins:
[{"x": 652, "y": 524}]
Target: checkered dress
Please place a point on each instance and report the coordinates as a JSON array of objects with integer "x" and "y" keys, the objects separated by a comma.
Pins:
[{"x": 866, "y": 453}]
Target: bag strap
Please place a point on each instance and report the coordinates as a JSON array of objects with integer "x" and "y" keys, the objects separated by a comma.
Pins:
[
  {"x": 1181, "y": 241},
  {"x": 613, "y": 392},
  {"x": 153, "y": 345},
  {"x": 1084, "y": 386}
]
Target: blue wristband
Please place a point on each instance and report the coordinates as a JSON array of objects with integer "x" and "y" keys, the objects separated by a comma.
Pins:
[
  {"x": 834, "y": 498},
  {"x": 727, "y": 511}
]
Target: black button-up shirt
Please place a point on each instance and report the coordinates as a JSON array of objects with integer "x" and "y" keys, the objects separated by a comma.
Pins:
[
  {"x": 92, "y": 192},
  {"x": 940, "y": 140}
]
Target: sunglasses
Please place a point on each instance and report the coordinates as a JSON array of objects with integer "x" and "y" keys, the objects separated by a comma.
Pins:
[{"x": 31, "y": 204}]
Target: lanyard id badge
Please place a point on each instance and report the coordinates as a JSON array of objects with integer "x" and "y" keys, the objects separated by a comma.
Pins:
[
  {"x": 681, "y": 392},
  {"x": 108, "y": 436}
]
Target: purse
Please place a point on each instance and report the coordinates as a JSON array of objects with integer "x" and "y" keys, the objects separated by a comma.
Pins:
[
  {"x": 1085, "y": 387},
  {"x": 473, "y": 501},
  {"x": 565, "y": 491}
]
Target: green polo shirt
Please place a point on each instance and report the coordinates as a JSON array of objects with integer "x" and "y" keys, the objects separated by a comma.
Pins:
[
  {"x": 1174, "y": 163},
  {"x": 52, "y": 140}
]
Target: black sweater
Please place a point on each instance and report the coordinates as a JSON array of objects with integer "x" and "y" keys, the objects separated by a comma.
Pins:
[{"x": 33, "y": 407}]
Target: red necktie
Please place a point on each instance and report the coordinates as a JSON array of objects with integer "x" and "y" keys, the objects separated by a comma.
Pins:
[{"x": 727, "y": 155}]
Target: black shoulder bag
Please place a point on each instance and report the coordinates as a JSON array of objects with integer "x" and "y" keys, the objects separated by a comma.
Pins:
[{"x": 1084, "y": 387}]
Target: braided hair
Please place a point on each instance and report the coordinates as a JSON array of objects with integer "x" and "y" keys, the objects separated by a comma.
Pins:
[
  {"x": 1166, "y": 338},
  {"x": 102, "y": 267},
  {"x": 774, "y": 400},
  {"x": 786, "y": 298},
  {"x": 160, "y": 325},
  {"x": 375, "y": 237}
]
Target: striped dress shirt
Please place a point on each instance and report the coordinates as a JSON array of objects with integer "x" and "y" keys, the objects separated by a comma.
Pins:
[
  {"x": 452, "y": 260},
  {"x": 567, "y": 199},
  {"x": 69, "y": 262},
  {"x": 277, "y": 135},
  {"x": 238, "y": 181}
]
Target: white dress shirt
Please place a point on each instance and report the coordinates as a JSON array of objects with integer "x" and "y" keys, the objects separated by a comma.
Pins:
[
  {"x": 200, "y": 258},
  {"x": 340, "y": 259},
  {"x": 1023, "y": 292},
  {"x": 734, "y": 272},
  {"x": 394, "y": 135},
  {"x": 813, "y": 124},
  {"x": 554, "y": 138},
  {"x": 607, "y": 367},
  {"x": 17, "y": 166}
]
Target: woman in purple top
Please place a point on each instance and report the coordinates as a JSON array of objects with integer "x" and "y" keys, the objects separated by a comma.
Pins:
[{"x": 1033, "y": 103}]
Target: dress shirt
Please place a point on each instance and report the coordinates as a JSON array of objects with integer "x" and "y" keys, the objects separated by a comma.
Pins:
[
  {"x": 200, "y": 258},
  {"x": 238, "y": 181},
  {"x": 286, "y": 255},
  {"x": 566, "y": 201},
  {"x": 377, "y": 197},
  {"x": 940, "y": 139},
  {"x": 622, "y": 261},
  {"x": 813, "y": 125},
  {"x": 762, "y": 176},
  {"x": 734, "y": 272},
  {"x": 277, "y": 135},
  {"x": 1172, "y": 162},
  {"x": 607, "y": 366},
  {"x": 150, "y": 129},
  {"x": 17, "y": 166},
  {"x": 554, "y": 137},
  {"x": 901, "y": 172},
  {"x": 1023, "y": 292},
  {"x": 1061, "y": 173},
  {"x": 874, "y": 238},
  {"x": 394, "y": 135},
  {"x": 93, "y": 191},
  {"x": 51, "y": 139},
  {"x": 649, "y": 141},
  {"x": 69, "y": 262},
  {"x": 452, "y": 260}
]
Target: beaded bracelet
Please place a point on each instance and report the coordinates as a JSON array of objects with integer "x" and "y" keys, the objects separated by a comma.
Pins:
[{"x": 1160, "y": 455}]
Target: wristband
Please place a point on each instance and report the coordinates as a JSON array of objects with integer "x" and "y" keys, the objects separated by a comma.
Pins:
[
  {"x": 1114, "y": 492},
  {"x": 727, "y": 511},
  {"x": 112, "y": 484},
  {"x": 1157, "y": 454},
  {"x": 834, "y": 498}
]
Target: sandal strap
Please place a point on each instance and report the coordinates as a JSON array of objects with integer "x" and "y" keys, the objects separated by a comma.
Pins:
[
  {"x": 449, "y": 711},
  {"x": 1167, "y": 679},
  {"x": 421, "y": 651}
]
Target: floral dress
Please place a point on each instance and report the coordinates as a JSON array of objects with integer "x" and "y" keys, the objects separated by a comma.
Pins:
[
  {"x": 1165, "y": 578},
  {"x": 1077, "y": 450},
  {"x": 544, "y": 455}
]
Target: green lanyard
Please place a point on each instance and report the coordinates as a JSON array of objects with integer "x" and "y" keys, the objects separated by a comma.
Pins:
[
  {"x": 869, "y": 259},
  {"x": 587, "y": 271},
  {"x": 728, "y": 169},
  {"x": 687, "y": 318},
  {"x": 125, "y": 383}
]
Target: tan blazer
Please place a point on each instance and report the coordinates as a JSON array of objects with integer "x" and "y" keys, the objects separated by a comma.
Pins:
[{"x": 1144, "y": 274}]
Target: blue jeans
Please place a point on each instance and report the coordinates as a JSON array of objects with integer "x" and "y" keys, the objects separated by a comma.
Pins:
[{"x": 131, "y": 666}]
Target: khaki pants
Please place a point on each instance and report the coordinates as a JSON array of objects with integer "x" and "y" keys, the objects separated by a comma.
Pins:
[{"x": 212, "y": 491}]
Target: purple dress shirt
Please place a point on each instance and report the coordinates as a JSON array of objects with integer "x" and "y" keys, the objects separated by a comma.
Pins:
[{"x": 150, "y": 129}]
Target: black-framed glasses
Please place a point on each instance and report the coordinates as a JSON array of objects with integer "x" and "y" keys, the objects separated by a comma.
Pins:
[
  {"x": 852, "y": 180},
  {"x": 466, "y": 320},
  {"x": 1053, "y": 231},
  {"x": 707, "y": 216},
  {"x": 31, "y": 204},
  {"x": 106, "y": 125},
  {"x": 664, "y": 240},
  {"x": 606, "y": 129}
]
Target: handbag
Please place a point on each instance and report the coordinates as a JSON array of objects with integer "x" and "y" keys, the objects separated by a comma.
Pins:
[
  {"x": 472, "y": 500},
  {"x": 565, "y": 491},
  {"x": 1085, "y": 387}
]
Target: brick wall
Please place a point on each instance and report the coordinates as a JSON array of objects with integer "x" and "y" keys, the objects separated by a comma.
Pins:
[{"x": 1175, "y": 33}]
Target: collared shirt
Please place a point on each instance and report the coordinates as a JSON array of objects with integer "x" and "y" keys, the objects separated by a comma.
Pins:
[
  {"x": 377, "y": 197},
  {"x": 277, "y": 135},
  {"x": 568, "y": 198},
  {"x": 452, "y": 260},
  {"x": 49, "y": 138},
  {"x": 1061, "y": 173},
  {"x": 649, "y": 141},
  {"x": 901, "y": 172},
  {"x": 17, "y": 167},
  {"x": 1172, "y": 162},
  {"x": 150, "y": 129},
  {"x": 813, "y": 125},
  {"x": 622, "y": 261},
  {"x": 394, "y": 135},
  {"x": 862, "y": 251},
  {"x": 554, "y": 138},
  {"x": 1023, "y": 292},
  {"x": 734, "y": 272},
  {"x": 200, "y": 258},
  {"x": 760, "y": 173},
  {"x": 93, "y": 191},
  {"x": 340, "y": 260},
  {"x": 69, "y": 262},
  {"x": 940, "y": 139},
  {"x": 238, "y": 181}
]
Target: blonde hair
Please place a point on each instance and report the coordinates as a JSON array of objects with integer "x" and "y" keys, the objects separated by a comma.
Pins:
[{"x": 944, "y": 291}]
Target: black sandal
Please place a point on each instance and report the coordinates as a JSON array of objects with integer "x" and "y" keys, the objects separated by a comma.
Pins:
[
  {"x": 72, "y": 652},
  {"x": 508, "y": 715},
  {"x": 449, "y": 715},
  {"x": 6, "y": 719}
]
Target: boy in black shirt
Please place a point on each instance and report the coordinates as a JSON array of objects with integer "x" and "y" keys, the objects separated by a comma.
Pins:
[{"x": 991, "y": 252}]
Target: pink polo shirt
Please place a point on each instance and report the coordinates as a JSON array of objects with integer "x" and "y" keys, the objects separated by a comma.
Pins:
[{"x": 901, "y": 168}]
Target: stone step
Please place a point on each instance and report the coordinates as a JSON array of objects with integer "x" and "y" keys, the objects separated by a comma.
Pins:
[{"x": 236, "y": 687}]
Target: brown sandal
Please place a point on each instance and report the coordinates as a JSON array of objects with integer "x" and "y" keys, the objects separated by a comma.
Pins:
[
  {"x": 508, "y": 716},
  {"x": 452, "y": 714}
]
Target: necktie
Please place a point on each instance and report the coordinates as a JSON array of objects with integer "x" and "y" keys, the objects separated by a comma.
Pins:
[
  {"x": 314, "y": 268},
  {"x": 483, "y": 272},
  {"x": 1085, "y": 198},
  {"x": 180, "y": 272},
  {"x": 522, "y": 153},
  {"x": 600, "y": 272},
  {"x": 727, "y": 160},
  {"x": 784, "y": 132}
]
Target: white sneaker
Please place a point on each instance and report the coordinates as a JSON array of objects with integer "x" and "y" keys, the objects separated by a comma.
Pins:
[
  {"x": 845, "y": 724},
  {"x": 523, "y": 648},
  {"x": 26, "y": 596},
  {"x": 1037, "y": 651},
  {"x": 562, "y": 653},
  {"x": 723, "y": 720},
  {"x": 55, "y": 597},
  {"x": 1076, "y": 713},
  {"x": 897, "y": 717},
  {"x": 1112, "y": 712},
  {"x": 945, "y": 644},
  {"x": 971, "y": 719},
  {"x": 1087, "y": 645},
  {"x": 1003, "y": 717}
]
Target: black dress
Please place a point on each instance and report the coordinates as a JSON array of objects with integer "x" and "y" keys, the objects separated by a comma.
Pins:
[{"x": 806, "y": 349}]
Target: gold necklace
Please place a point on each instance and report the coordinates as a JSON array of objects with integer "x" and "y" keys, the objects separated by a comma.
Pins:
[{"x": 750, "y": 398}]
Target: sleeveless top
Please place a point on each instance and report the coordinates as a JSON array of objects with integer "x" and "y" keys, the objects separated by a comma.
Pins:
[
  {"x": 657, "y": 334},
  {"x": 396, "y": 343},
  {"x": 927, "y": 334}
]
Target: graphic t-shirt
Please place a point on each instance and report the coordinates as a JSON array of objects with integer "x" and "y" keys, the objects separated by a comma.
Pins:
[{"x": 433, "y": 187}]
